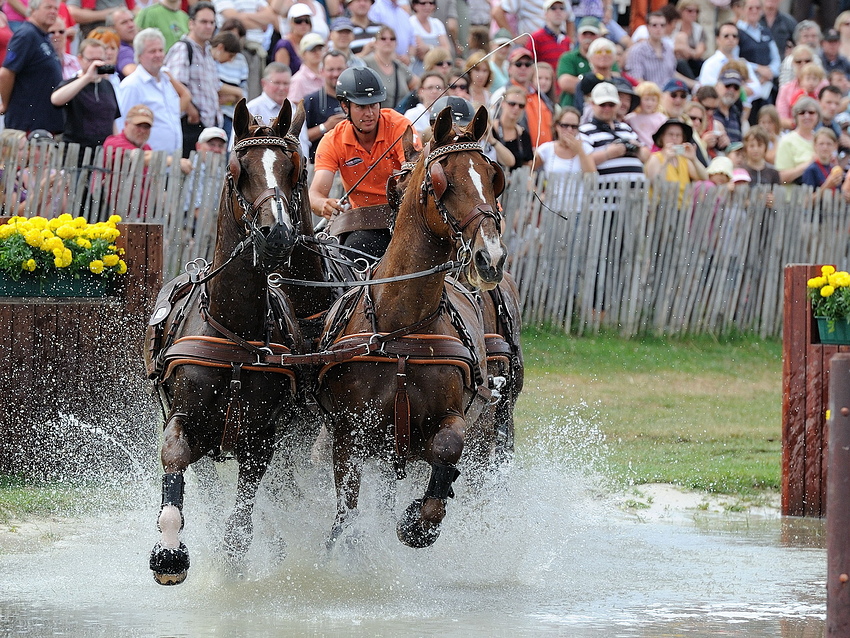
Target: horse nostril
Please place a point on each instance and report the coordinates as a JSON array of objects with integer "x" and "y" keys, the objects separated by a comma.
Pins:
[{"x": 482, "y": 260}]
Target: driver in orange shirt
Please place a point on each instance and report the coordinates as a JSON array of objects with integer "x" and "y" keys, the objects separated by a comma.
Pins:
[{"x": 352, "y": 148}]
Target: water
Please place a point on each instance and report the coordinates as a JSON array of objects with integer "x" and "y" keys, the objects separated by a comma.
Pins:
[{"x": 545, "y": 549}]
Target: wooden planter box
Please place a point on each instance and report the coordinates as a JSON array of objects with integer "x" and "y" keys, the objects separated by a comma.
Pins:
[
  {"x": 805, "y": 385},
  {"x": 78, "y": 356}
]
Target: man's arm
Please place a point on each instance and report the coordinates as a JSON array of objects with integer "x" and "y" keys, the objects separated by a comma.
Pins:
[
  {"x": 257, "y": 20},
  {"x": 320, "y": 188},
  {"x": 67, "y": 92},
  {"x": 7, "y": 81},
  {"x": 87, "y": 16}
]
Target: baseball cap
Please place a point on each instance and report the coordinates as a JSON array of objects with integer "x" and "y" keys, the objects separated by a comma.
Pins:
[
  {"x": 831, "y": 35},
  {"x": 212, "y": 133},
  {"x": 731, "y": 77},
  {"x": 592, "y": 24},
  {"x": 342, "y": 24},
  {"x": 519, "y": 53},
  {"x": 605, "y": 93},
  {"x": 299, "y": 10},
  {"x": 503, "y": 36},
  {"x": 721, "y": 166},
  {"x": 310, "y": 42},
  {"x": 140, "y": 114},
  {"x": 548, "y": 4},
  {"x": 741, "y": 175},
  {"x": 733, "y": 146},
  {"x": 41, "y": 135},
  {"x": 675, "y": 85}
]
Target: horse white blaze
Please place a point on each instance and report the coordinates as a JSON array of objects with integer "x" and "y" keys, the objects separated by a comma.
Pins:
[
  {"x": 269, "y": 159},
  {"x": 492, "y": 244}
]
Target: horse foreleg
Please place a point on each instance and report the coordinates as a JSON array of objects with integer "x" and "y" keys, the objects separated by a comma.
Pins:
[
  {"x": 347, "y": 474},
  {"x": 169, "y": 559},
  {"x": 419, "y": 526},
  {"x": 239, "y": 529}
]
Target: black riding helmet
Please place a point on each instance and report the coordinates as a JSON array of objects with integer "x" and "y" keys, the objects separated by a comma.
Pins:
[
  {"x": 462, "y": 112},
  {"x": 360, "y": 85}
]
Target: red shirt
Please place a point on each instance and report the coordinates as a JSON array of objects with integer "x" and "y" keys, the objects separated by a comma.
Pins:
[
  {"x": 549, "y": 47},
  {"x": 121, "y": 141}
]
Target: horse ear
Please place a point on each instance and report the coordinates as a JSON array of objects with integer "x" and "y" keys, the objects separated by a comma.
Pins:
[
  {"x": 241, "y": 120},
  {"x": 298, "y": 118},
  {"x": 407, "y": 144},
  {"x": 479, "y": 123},
  {"x": 283, "y": 120},
  {"x": 443, "y": 127}
]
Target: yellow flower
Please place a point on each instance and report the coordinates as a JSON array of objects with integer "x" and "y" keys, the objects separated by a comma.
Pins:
[
  {"x": 33, "y": 238},
  {"x": 52, "y": 244},
  {"x": 122, "y": 267},
  {"x": 826, "y": 291},
  {"x": 83, "y": 243},
  {"x": 29, "y": 265},
  {"x": 827, "y": 270},
  {"x": 115, "y": 219},
  {"x": 38, "y": 222},
  {"x": 96, "y": 266},
  {"x": 816, "y": 282},
  {"x": 66, "y": 231},
  {"x": 110, "y": 260},
  {"x": 80, "y": 222}
]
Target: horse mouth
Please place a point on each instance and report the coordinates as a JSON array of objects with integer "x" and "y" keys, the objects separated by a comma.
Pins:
[
  {"x": 486, "y": 269},
  {"x": 273, "y": 245}
]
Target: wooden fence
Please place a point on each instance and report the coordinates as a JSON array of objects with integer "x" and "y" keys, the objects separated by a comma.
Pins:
[{"x": 624, "y": 256}]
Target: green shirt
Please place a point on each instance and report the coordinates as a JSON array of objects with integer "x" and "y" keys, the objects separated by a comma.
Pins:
[
  {"x": 574, "y": 63},
  {"x": 173, "y": 24}
]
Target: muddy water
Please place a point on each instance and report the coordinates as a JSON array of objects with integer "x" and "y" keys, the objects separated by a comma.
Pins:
[{"x": 544, "y": 549}]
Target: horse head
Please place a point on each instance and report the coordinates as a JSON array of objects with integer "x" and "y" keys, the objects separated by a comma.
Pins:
[
  {"x": 266, "y": 192},
  {"x": 464, "y": 184}
]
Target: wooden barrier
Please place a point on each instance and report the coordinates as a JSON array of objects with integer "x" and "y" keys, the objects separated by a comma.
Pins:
[
  {"x": 805, "y": 384},
  {"x": 77, "y": 357}
]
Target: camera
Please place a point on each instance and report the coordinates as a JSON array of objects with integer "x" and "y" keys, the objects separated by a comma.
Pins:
[
  {"x": 632, "y": 149},
  {"x": 105, "y": 69},
  {"x": 679, "y": 149}
]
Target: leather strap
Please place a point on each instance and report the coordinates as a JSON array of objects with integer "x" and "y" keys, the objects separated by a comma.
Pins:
[
  {"x": 363, "y": 218},
  {"x": 402, "y": 419}
]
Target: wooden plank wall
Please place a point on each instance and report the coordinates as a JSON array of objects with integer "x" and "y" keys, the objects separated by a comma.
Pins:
[
  {"x": 80, "y": 357},
  {"x": 805, "y": 384}
]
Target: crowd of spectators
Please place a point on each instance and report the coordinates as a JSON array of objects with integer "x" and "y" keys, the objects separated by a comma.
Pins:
[{"x": 662, "y": 90}]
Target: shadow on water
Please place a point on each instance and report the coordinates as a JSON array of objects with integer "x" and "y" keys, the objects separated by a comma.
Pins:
[{"x": 543, "y": 549}]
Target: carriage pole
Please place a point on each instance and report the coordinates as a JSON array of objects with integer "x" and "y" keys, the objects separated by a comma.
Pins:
[{"x": 838, "y": 500}]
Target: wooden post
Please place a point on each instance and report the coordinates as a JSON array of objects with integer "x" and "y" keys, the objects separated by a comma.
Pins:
[{"x": 838, "y": 502}]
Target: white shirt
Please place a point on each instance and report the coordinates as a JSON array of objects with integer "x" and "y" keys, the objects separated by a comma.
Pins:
[
  {"x": 268, "y": 110},
  {"x": 140, "y": 87}
]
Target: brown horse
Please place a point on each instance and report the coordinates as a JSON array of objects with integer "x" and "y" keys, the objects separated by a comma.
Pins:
[
  {"x": 418, "y": 382},
  {"x": 218, "y": 333}
]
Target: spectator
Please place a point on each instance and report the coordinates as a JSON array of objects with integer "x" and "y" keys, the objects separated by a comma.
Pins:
[
  {"x": 698, "y": 118},
  {"x": 433, "y": 86},
  {"x": 554, "y": 38},
  {"x": 211, "y": 141},
  {"x": 674, "y": 96},
  {"x": 603, "y": 12},
  {"x": 446, "y": 13},
  {"x": 428, "y": 32},
  {"x": 842, "y": 25},
  {"x": 391, "y": 12},
  {"x": 168, "y": 17},
  {"x": 287, "y": 49},
  {"x": 150, "y": 84},
  {"x": 318, "y": 17},
  {"x": 480, "y": 76},
  {"x": 647, "y": 118},
  {"x": 508, "y": 130},
  {"x": 755, "y": 149},
  {"x": 823, "y": 173},
  {"x": 365, "y": 30},
  {"x": 810, "y": 80},
  {"x": 70, "y": 64},
  {"x": 276, "y": 81},
  {"x": 808, "y": 34},
  {"x": 840, "y": 80},
  {"x": 499, "y": 59},
  {"x": 30, "y": 73},
  {"x": 396, "y": 76},
  {"x": 308, "y": 79},
  {"x": 676, "y": 160},
  {"x": 768, "y": 119},
  {"x": 689, "y": 39},
  {"x": 566, "y": 154},
  {"x": 109, "y": 39},
  {"x": 801, "y": 56},
  {"x": 90, "y": 15},
  {"x": 727, "y": 44},
  {"x": 124, "y": 23},
  {"x": 831, "y": 57},
  {"x": 192, "y": 63},
  {"x": 255, "y": 16},
  {"x": 613, "y": 146},
  {"x": 546, "y": 84},
  {"x": 653, "y": 59},
  {"x": 796, "y": 149},
  {"x": 457, "y": 84},
  {"x": 16, "y": 13},
  {"x": 720, "y": 171},
  {"x": 729, "y": 106},
  {"x": 781, "y": 24},
  {"x": 364, "y": 227},
  {"x": 757, "y": 47},
  {"x": 90, "y": 104},
  {"x": 138, "y": 123},
  {"x": 601, "y": 54},
  {"x": 232, "y": 69},
  {"x": 538, "y": 116},
  {"x": 829, "y": 99},
  {"x": 573, "y": 65},
  {"x": 322, "y": 108},
  {"x": 342, "y": 35},
  {"x": 518, "y": 17}
]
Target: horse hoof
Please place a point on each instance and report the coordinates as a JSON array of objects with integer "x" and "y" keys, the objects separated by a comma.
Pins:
[
  {"x": 170, "y": 565},
  {"x": 411, "y": 529}
]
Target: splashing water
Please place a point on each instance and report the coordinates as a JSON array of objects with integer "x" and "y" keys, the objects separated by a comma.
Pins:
[{"x": 541, "y": 549}]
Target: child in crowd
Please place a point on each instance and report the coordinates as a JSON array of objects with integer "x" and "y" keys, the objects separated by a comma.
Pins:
[
  {"x": 735, "y": 152},
  {"x": 756, "y": 141},
  {"x": 768, "y": 120},
  {"x": 646, "y": 119},
  {"x": 823, "y": 173},
  {"x": 811, "y": 77}
]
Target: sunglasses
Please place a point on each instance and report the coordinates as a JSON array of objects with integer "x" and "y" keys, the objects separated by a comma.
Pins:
[
  {"x": 62, "y": 32},
  {"x": 567, "y": 126},
  {"x": 523, "y": 64},
  {"x": 385, "y": 39},
  {"x": 678, "y": 95},
  {"x": 302, "y": 20},
  {"x": 433, "y": 3},
  {"x": 808, "y": 112},
  {"x": 730, "y": 35},
  {"x": 802, "y": 61},
  {"x": 733, "y": 87},
  {"x": 519, "y": 104},
  {"x": 462, "y": 86},
  {"x": 444, "y": 63},
  {"x": 696, "y": 118}
]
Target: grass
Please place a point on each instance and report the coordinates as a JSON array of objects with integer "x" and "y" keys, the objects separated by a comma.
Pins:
[{"x": 699, "y": 413}]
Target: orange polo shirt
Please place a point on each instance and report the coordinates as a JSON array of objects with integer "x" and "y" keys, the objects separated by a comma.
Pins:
[
  {"x": 340, "y": 151},
  {"x": 536, "y": 110}
]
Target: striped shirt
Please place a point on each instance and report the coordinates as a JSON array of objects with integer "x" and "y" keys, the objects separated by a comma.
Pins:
[
  {"x": 644, "y": 62},
  {"x": 597, "y": 135},
  {"x": 195, "y": 67}
]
